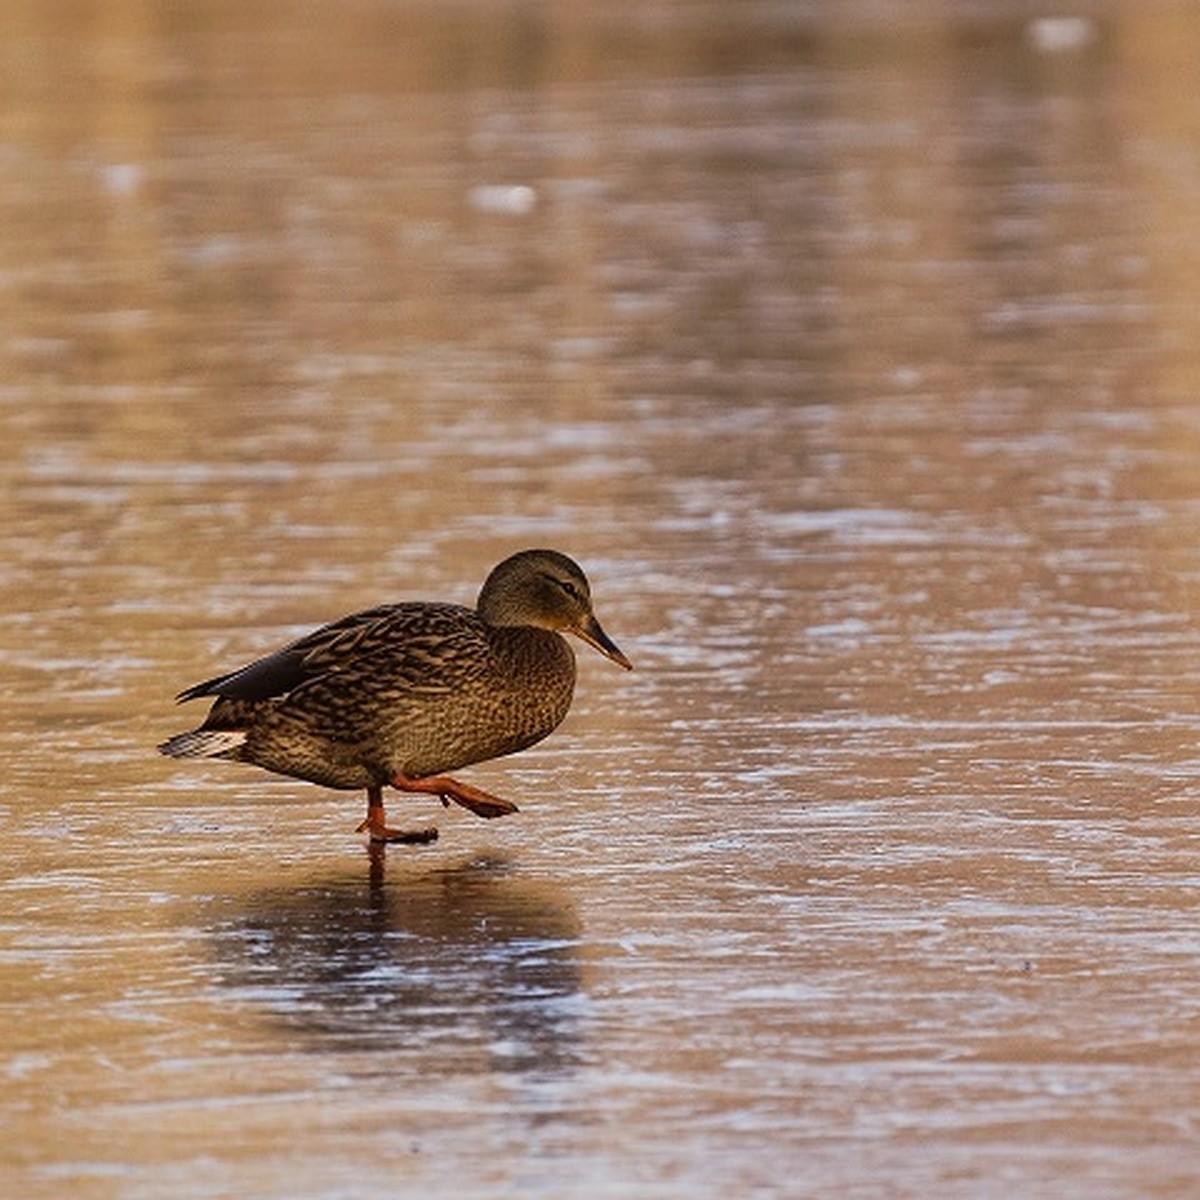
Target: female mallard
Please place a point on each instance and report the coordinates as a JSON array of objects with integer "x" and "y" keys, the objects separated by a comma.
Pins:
[{"x": 402, "y": 693}]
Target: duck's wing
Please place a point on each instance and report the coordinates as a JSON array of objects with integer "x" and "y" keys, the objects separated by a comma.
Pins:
[{"x": 411, "y": 644}]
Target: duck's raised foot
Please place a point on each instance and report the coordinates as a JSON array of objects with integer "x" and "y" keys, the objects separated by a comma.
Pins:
[{"x": 481, "y": 803}]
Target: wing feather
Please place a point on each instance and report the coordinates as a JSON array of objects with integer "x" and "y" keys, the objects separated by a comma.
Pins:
[{"x": 404, "y": 647}]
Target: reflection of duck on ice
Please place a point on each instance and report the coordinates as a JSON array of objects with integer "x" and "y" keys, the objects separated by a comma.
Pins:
[{"x": 471, "y": 968}]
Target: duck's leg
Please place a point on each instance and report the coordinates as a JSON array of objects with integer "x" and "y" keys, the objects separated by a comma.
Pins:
[
  {"x": 376, "y": 823},
  {"x": 481, "y": 803}
]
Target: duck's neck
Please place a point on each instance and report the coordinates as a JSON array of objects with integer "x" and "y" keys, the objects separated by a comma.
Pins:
[
  {"x": 536, "y": 669},
  {"x": 534, "y": 660},
  {"x": 496, "y": 605}
]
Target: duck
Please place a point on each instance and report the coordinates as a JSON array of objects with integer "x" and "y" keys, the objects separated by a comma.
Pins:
[{"x": 402, "y": 694}]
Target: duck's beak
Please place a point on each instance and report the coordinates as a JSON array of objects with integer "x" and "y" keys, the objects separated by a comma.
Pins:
[{"x": 591, "y": 633}]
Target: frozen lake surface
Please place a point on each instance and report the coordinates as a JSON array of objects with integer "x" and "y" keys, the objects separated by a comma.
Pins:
[{"x": 856, "y": 359}]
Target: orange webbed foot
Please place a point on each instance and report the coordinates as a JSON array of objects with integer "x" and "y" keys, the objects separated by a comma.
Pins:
[
  {"x": 408, "y": 837},
  {"x": 376, "y": 825},
  {"x": 481, "y": 803}
]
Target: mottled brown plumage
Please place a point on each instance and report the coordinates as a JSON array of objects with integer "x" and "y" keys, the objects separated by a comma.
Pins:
[{"x": 402, "y": 693}]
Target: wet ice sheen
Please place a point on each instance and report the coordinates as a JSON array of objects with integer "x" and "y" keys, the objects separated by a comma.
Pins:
[{"x": 850, "y": 353}]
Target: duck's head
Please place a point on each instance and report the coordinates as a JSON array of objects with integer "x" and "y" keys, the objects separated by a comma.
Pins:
[{"x": 548, "y": 590}]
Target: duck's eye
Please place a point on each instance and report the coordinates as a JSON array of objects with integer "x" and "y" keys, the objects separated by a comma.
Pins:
[{"x": 567, "y": 586}]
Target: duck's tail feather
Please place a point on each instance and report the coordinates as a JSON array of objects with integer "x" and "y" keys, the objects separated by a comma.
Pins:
[{"x": 204, "y": 743}]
